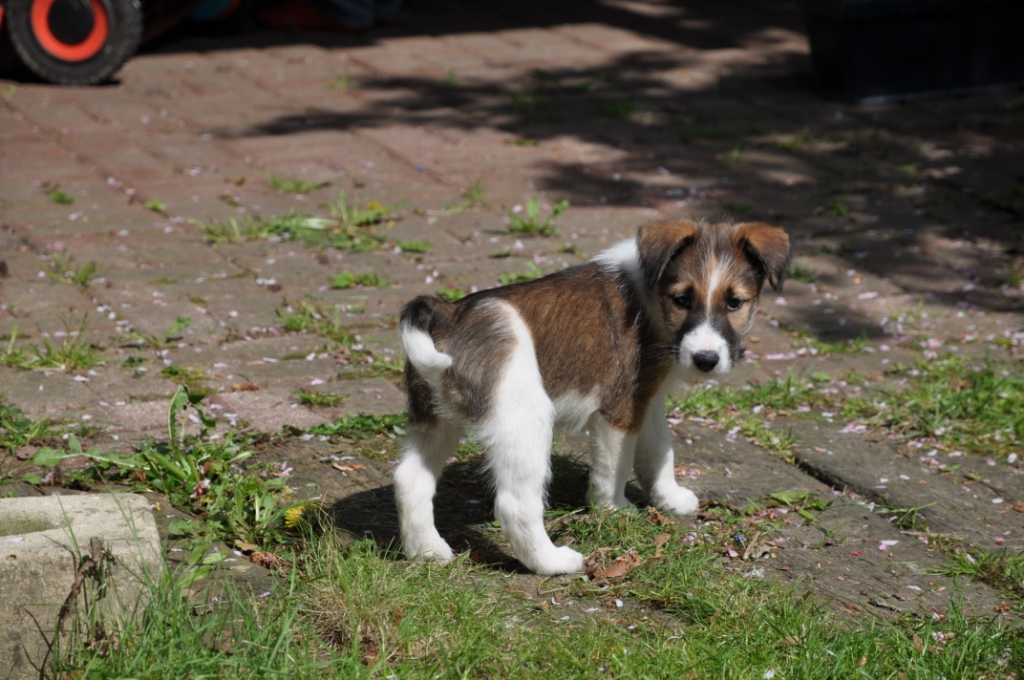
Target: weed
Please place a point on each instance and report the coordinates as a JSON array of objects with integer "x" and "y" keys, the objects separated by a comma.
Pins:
[
  {"x": 719, "y": 131},
  {"x": 521, "y": 141},
  {"x": 741, "y": 208},
  {"x": 835, "y": 208},
  {"x": 73, "y": 354},
  {"x": 833, "y": 347},
  {"x": 192, "y": 378},
  {"x": 1013, "y": 274},
  {"x": 543, "y": 76},
  {"x": 18, "y": 430},
  {"x": 362, "y": 426},
  {"x": 7, "y": 92},
  {"x": 525, "y": 102},
  {"x": 1002, "y": 568},
  {"x": 293, "y": 185},
  {"x": 319, "y": 399},
  {"x": 156, "y": 342},
  {"x": 339, "y": 82},
  {"x": 155, "y": 205},
  {"x": 349, "y": 227},
  {"x": 413, "y": 246},
  {"x": 532, "y": 272},
  {"x": 531, "y": 224},
  {"x": 1007, "y": 200},
  {"x": 307, "y": 317},
  {"x": 800, "y": 273},
  {"x": 452, "y": 294},
  {"x": 60, "y": 197},
  {"x": 349, "y": 279},
  {"x": 622, "y": 108},
  {"x": 61, "y": 267},
  {"x": 475, "y": 196},
  {"x": 734, "y": 157},
  {"x": 450, "y": 78}
]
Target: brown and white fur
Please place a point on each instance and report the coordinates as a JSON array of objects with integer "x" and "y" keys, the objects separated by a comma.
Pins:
[{"x": 594, "y": 346}]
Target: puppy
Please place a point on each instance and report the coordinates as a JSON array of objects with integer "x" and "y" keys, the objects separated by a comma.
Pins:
[{"x": 595, "y": 346}]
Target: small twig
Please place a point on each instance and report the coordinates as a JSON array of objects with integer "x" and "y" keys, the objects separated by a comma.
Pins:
[{"x": 88, "y": 567}]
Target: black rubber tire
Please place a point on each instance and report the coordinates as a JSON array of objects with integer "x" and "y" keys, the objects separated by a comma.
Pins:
[{"x": 123, "y": 35}]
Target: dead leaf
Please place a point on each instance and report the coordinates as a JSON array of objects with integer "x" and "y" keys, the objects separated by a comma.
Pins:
[
  {"x": 1019, "y": 506},
  {"x": 245, "y": 387},
  {"x": 622, "y": 565},
  {"x": 1003, "y": 607},
  {"x": 790, "y": 641},
  {"x": 478, "y": 556},
  {"x": 660, "y": 543},
  {"x": 857, "y": 553},
  {"x": 348, "y": 468},
  {"x": 269, "y": 561},
  {"x": 918, "y": 643}
]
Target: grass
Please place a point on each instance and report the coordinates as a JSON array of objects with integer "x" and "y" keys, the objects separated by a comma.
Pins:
[
  {"x": 73, "y": 354},
  {"x": 293, "y": 185},
  {"x": 155, "y": 205},
  {"x": 319, "y": 399},
  {"x": 349, "y": 279},
  {"x": 621, "y": 108},
  {"x": 350, "y": 227},
  {"x": 413, "y": 246},
  {"x": 340, "y": 82},
  {"x": 60, "y": 197},
  {"x": 952, "y": 402},
  {"x": 836, "y": 208},
  {"x": 308, "y": 317},
  {"x": 156, "y": 342},
  {"x": 532, "y": 272},
  {"x": 353, "y": 611},
  {"x": 801, "y": 273},
  {"x": 18, "y": 430},
  {"x": 854, "y": 346},
  {"x": 474, "y": 196},
  {"x": 1001, "y": 568},
  {"x": 192, "y": 378},
  {"x": 530, "y": 223},
  {"x": 452, "y": 294},
  {"x": 716, "y": 131},
  {"x": 62, "y": 268}
]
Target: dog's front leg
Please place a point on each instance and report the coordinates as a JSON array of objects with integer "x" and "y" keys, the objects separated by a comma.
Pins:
[
  {"x": 612, "y": 452},
  {"x": 426, "y": 449},
  {"x": 655, "y": 464}
]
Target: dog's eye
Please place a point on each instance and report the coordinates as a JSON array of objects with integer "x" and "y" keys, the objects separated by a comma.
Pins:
[
  {"x": 682, "y": 301},
  {"x": 733, "y": 303}
]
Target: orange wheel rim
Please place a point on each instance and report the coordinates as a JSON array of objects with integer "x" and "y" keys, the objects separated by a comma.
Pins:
[{"x": 86, "y": 49}]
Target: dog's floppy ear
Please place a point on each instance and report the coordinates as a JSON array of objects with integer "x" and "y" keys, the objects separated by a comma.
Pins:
[
  {"x": 657, "y": 243},
  {"x": 767, "y": 248}
]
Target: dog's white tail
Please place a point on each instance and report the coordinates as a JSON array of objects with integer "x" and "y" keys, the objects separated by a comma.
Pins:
[{"x": 423, "y": 355}]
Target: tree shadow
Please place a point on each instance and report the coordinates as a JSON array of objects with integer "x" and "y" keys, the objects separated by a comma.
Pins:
[{"x": 463, "y": 510}]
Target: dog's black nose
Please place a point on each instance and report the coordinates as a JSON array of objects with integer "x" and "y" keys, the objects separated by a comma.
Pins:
[{"x": 705, "y": 361}]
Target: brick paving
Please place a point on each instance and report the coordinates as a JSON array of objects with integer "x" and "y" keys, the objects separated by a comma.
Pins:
[{"x": 632, "y": 111}]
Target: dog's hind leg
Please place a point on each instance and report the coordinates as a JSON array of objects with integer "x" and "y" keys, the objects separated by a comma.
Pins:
[
  {"x": 612, "y": 451},
  {"x": 426, "y": 449},
  {"x": 517, "y": 436},
  {"x": 655, "y": 464}
]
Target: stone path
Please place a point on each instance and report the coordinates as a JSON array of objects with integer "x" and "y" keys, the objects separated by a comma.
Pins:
[{"x": 909, "y": 217}]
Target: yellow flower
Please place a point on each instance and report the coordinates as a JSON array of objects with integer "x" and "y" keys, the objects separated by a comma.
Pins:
[{"x": 292, "y": 516}]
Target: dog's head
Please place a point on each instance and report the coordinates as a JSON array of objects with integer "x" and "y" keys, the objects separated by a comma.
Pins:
[{"x": 706, "y": 280}]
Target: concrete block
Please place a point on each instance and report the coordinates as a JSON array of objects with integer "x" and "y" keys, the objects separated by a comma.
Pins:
[{"x": 44, "y": 542}]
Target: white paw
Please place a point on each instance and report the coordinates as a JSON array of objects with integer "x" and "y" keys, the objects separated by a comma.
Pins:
[
  {"x": 677, "y": 500},
  {"x": 619, "y": 504},
  {"x": 427, "y": 549},
  {"x": 563, "y": 560}
]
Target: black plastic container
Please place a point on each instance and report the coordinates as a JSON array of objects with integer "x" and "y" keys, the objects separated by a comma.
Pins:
[{"x": 875, "y": 51}]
